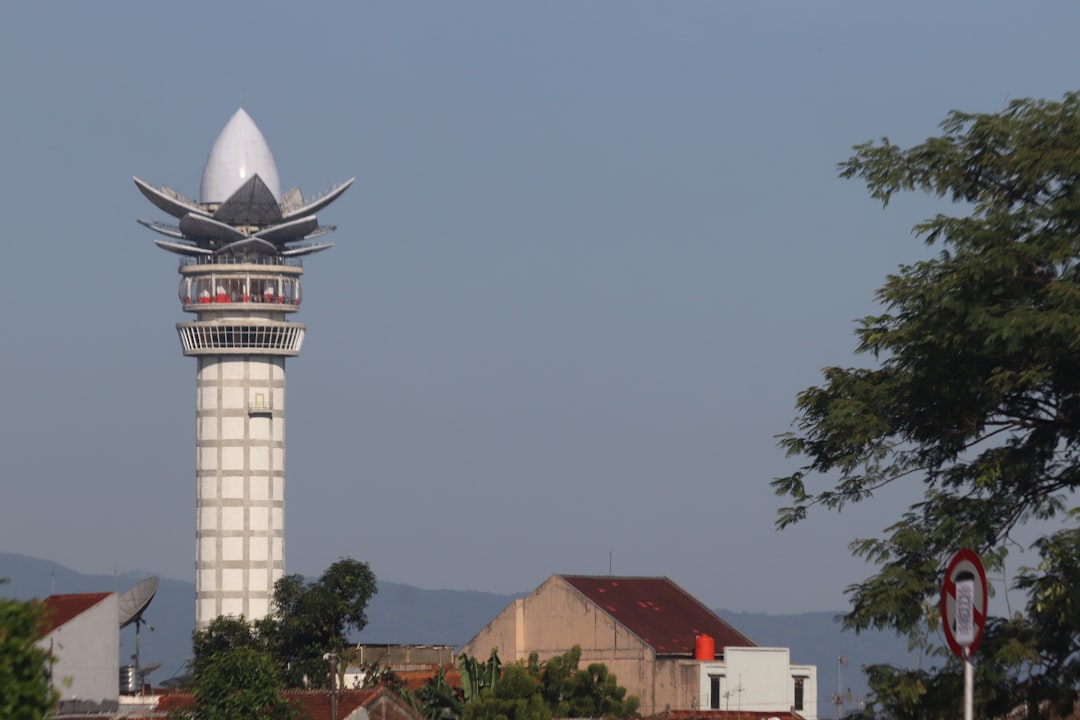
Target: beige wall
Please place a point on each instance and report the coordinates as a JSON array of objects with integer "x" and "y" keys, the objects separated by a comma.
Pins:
[{"x": 555, "y": 617}]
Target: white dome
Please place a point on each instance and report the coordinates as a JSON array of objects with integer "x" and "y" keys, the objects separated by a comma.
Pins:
[{"x": 239, "y": 152}]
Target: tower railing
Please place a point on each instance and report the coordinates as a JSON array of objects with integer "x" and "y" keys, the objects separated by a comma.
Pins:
[{"x": 229, "y": 259}]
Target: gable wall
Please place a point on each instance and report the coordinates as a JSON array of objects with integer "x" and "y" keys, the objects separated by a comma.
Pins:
[
  {"x": 553, "y": 619},
  {"x": 87, "y": 652}
]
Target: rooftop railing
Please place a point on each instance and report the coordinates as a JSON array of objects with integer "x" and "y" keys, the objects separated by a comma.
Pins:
[{"x": 230, "y": 259}]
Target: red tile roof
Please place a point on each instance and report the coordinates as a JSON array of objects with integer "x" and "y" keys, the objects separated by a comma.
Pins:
[
  {"x": 416, "y": 679},
  {"x": 62, "y": 608},
  {"x": 312, "y": 704},
  {"x": 175, "y": 700},
  {"x": 315, "y": 704},
  {"x": 726, "y": 715},
  {"x": 658, "y": 611}
]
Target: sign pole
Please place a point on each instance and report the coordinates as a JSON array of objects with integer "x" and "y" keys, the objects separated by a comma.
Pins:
[
  {"x": 963, "y": 615},
  {"x": 969, "y": 689}
]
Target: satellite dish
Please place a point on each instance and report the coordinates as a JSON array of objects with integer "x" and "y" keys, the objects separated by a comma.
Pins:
[{"x": 134, "y": 601}]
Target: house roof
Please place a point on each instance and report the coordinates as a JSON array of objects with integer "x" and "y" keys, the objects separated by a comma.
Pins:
[
  {"x": 416, "y": 679},
  {"x": 728, "y": 715},
  {"x": 62, "y": 608},
  {"x": 658, "y": 611},
  {"x": 312, "y": 704}
]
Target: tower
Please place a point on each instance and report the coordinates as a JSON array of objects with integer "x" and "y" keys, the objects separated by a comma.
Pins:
[{"x": 241, "y": 245}]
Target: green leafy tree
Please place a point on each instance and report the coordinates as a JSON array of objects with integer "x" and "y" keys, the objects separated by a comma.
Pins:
[
  {"x": 312, "y": 619},
  {"x": 235, "y": 675},
  {"x": 539, "y": 691},
  {"x": 974, "y": 394},
  {"x": 25, "y": 690},
  {"x": 436, "y": 699},
  {"x": 593, "y": 692}
]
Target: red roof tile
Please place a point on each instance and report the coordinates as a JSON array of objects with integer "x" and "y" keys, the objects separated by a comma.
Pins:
[
  {"x": 416, "y": 679},
  {"x": 658, "y": 611},
  {"x": 726, "y": 715},
  {"x": 312, "y": 704},
  {"x": 62, "y": 608},
  {"x": 315, "y": 704}
]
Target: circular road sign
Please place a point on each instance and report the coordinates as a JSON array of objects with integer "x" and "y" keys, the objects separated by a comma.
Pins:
[{"x": 963, "y": 603}]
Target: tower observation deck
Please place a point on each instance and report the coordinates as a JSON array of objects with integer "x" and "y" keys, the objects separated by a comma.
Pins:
[{"x": 241, "y": 246}]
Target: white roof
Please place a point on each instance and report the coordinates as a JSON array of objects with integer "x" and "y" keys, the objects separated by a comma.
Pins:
[{"x": 239, "y": 152}]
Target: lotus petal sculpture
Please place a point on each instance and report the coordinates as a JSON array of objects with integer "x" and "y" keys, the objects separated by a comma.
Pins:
[{"x": 240, "y": 209}]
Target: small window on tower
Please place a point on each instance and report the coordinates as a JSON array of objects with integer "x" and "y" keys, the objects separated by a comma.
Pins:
[{"x": 259, "y": 404}]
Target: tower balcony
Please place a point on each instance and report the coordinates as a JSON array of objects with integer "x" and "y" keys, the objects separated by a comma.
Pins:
[
  {"x": 241, "y": 337},
  {"x": 246, "y": 284}
]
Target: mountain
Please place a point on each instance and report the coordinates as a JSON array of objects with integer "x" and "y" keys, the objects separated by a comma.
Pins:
[
  {"x": 397, "y": 614},
  {"x": 410, "y": 615}
]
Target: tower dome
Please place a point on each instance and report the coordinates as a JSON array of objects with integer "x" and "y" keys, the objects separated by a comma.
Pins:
[{"x": 239, "y": 152}]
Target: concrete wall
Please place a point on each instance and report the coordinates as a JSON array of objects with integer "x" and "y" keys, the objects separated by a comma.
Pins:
[
  {"x": 87, "y": 652},
  {"x": 240, "y": 485},
  {"x": 759, "y": 680},
  {"x": 555, "y": 617}
]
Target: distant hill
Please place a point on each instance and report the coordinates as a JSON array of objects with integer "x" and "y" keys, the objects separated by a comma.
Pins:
[
  {"x": 411, "y": 615},
  {"x": 397, "y": 614}
]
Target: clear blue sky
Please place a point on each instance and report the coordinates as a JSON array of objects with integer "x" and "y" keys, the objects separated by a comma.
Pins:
[{"x": 593, "y": 252}]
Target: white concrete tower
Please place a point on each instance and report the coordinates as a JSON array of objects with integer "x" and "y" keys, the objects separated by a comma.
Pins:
[{"x": 241, "y": 244}]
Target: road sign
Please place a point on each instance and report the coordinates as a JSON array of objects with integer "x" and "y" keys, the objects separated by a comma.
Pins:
[{"x": 963, "y": 603}]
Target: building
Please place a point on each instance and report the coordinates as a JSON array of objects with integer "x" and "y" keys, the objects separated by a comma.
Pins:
[
  {"x": 377, "y": 704},
  {"x": 82, "y": 633},
  {"x": 412, "y": 664},
  {"x": 662, "y": 644},
  {"x": 240, "y": 247}
]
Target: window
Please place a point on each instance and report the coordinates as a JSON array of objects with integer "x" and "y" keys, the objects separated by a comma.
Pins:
[
  {"x": 714, "y": 691},
  {"x": 799, "y": 692}
]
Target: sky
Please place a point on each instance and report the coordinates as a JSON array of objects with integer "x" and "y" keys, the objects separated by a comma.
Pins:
[{"x": 593, "y": 252}]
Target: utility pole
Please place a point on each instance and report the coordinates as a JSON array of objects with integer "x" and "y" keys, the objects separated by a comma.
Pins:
[
  {"x": 332, "y": 656},
  {"x": 838, "y": 698}
]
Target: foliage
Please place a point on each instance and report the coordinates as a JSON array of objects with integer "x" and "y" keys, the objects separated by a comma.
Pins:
[
  {"x": 25, "y": 690},
  {"x": 312, "y": 619},
  {"x": 235, "y": 675},
  {"x": 240, "y": 669},
  {"x": 437, "y": 699},
  {"x": 538, "y": 691},
  {"x": 477, "y": 677},
  {"x": 975, "y": 395}
]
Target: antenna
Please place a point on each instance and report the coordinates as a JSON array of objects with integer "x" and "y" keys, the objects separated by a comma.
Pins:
[
  {"x": 838, "y": 698},
  {"x": 133, "y": 604}
]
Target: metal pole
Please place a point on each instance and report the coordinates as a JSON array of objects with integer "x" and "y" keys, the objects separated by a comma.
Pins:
[
  {"x": 333, "y": 686},
  {"x": 969, "y": 689}
]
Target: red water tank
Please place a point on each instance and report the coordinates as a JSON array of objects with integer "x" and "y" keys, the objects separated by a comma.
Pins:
[{"x": 704, "y": 647}]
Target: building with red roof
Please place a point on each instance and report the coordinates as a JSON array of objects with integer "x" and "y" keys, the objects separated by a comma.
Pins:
[
  {"x": 380, "y": 704},
  {"x": 82, "y": 633},
  {"x": 662, "y": 644}
]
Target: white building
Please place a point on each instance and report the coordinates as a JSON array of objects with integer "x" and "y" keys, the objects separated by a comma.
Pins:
[
  {"x": 82, "y": 633},
  {"x": 240, "y": 246},
  {"x": 758, "y": 679}
]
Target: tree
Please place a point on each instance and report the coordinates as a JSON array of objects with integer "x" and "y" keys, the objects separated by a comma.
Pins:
[
  {"x": 974, "y": 394},
  {"x": 312, "y": 619},
  {"x": 25, "y": 690},
  {"x": 235, "y": 674},
  {"x": 537, "y": 691},
  {"x": 575, "y": 693}
]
